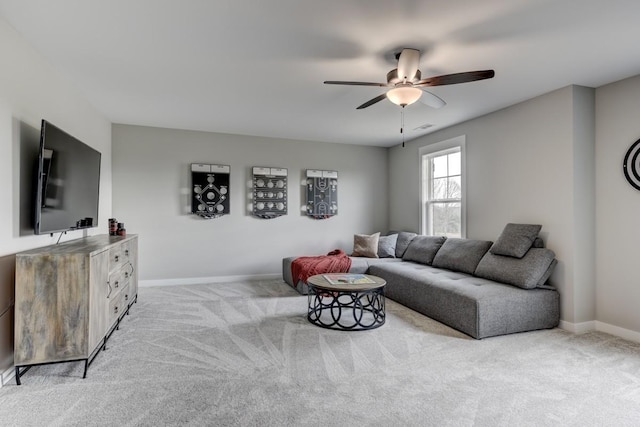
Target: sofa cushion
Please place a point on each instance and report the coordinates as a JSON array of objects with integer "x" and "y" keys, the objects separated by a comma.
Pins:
[
  {"x": 542, "y": 283},
  {"x": 387, "y": 246},
  {"x": 461, "y": 255},
  {"x": 423, "y": 249},
  {"x": 516, "y": 239},
  {"x": 365, "y": 245},
  {"x": 404, "y": 238},
  {"x": 525, "y": 272}
]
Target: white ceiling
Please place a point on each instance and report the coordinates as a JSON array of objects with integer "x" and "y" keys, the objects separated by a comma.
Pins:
[{"x": 256, "y": 67}]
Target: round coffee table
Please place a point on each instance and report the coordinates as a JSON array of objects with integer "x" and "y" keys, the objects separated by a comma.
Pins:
[{"x": 346, "y": 306}]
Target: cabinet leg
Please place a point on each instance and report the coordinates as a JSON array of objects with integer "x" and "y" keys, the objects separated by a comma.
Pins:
[
  {"x": 86, "y": 365},
  {"x": 17, "y": 376}
]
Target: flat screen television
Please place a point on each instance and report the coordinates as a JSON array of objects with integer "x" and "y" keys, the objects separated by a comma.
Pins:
[{"x": 68, "y": 182}]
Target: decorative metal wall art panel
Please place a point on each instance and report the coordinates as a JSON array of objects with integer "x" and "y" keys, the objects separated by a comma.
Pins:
[
  {"x": 269, "y": 192},
  {"x": 322, "y": 193},
  {"x": 210, "y": 190},
  {"x": 631, "y": 165}
]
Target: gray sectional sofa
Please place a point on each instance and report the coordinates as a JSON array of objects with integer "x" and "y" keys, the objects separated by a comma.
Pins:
[{"x": 481, "y": 288}]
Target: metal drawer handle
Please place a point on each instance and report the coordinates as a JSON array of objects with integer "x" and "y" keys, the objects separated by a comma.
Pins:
[
  {"x": 117, "y": 258},
  {"x": 126, "y": 252},
  {"x": 116, "y": 284}
]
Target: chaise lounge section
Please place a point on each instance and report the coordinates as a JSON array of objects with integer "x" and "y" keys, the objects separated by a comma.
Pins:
[{"x": 481, "y": 288}]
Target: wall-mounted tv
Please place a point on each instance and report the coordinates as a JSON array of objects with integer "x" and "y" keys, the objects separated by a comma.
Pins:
[{"x": 68, "y": 182}]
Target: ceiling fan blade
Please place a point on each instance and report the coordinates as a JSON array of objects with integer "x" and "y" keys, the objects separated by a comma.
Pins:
[
  {"x": 408, "y": 64},
  {"x": 335, "y": 82},
  {"x": 431, "y": 99},
  {"x": 372, "y": 101},
  {"x": 452, "y": 79}
]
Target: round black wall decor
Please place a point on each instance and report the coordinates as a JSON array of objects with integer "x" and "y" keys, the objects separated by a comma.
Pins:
[{"x": 631, "y": 165}]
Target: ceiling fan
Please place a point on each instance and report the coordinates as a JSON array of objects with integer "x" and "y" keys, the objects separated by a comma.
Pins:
[{"x": 406, "y": 84}]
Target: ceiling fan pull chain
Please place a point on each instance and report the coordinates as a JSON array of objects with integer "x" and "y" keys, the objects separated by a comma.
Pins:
[{"x": 402, "y": 125}]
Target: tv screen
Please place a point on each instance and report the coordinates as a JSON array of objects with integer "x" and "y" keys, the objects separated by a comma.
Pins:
[{"x": 68, "y": 182}]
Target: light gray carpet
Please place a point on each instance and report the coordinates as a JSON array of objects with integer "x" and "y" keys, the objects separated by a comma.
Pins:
[{"x": 244, "y": 354}]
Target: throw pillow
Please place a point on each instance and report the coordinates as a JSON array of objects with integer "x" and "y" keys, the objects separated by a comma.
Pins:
[
  {"x": 526, "y": 272},
  {"x": 516, "y": 239},
  {"x": 538, "y": 243},
  {"x": 365, "y": 245},
  {"x": 461, "y": 255},
  {"x": 404, "y": 238},
  {"x": 387, "y": 246},
  {"x": 422, "y": 249}
]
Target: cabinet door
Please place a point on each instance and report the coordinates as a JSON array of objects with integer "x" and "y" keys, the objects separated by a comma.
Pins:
[
  {"x": 133, "y": 259},
  {"x": 99, "y": 311},
  {"x": 51, "y": 308}
]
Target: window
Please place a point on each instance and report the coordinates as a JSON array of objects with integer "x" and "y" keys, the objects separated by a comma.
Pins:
[{"x": 443, "y": 192}]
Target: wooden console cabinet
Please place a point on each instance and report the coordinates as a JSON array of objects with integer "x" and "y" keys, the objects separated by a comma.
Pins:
[{"x": 70, "y": 297}]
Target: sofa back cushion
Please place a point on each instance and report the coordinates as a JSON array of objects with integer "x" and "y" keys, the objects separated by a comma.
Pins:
[
  {"x": 423, "y": 249},
  {"x": 365, "y": 245},
  {"x": 516, "y": 239},
  {"x": 387, "y": 246},
  {"x": 527, "y": 272},
  {"x": 461, "y": 255},
  {"x": 404, "y": 238}
]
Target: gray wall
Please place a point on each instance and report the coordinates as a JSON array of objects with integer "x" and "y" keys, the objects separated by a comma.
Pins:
[
  {"x": 524, "y": 164},
  {"x": 30, "y": 90},
  {"x": 151, "y": 172},
  {"x": 618, "y": 207}
]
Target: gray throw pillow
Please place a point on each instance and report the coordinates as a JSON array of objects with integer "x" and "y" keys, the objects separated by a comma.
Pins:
[
  {"x": 516, "y": 239},
  {"x": 526, "y": 272},
  {"x": 422, "y": 249},
  {"x": 461, "y": 255},
  {"x": 387, "y": 246},
  {"x": 404, "y": 238},
  {"x": 365, "y": 245},
  {"x": 538, "y": 243}
]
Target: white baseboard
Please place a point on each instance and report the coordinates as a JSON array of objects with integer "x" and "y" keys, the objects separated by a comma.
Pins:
[
  {"x": 627, "y": 334},
  {"x": 596, "y": 325},
  {"x": 578, "y": 328},
  {"x": 205, "y": 280},
  {"x": 7, "y": 376}
]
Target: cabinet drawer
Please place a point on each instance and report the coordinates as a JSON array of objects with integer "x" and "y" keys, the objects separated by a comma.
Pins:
[
  {"x": 126, "y": 251},
  {"x": 119, "y": 279},
  {"x": 116, "y": 282},
  {"x": 127, "y": 295},
  {"x": 116, "y": 257},
  {"x": 120, "y": 255},
  {"x": 117, "y": 306}
]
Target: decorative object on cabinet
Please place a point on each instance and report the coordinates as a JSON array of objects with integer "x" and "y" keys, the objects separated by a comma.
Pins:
[
  {"x": 70, "y": 297},
  {"x": 322, "y": 193},
  {"x": 210, "y": 195},
  {"x": 631, "y": 165},
  {"x": 269, "y": 192}
]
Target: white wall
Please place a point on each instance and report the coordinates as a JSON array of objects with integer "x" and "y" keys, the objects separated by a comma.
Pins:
[
  {"x": 618, "y": 206},
  {"x": 30, "y": 90},
  {"x": 520, "y": 168},
  {"x": 151, "y": 178}
]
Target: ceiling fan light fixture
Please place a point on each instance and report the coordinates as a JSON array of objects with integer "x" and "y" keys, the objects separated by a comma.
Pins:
[{"x": 404, "y": 95}]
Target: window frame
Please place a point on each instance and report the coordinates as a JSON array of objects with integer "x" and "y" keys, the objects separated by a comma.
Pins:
[{"x": 425, "y": 154}]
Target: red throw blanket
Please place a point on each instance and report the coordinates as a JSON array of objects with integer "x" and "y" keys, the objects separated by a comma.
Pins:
[{"x": 336, "y": 261}]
